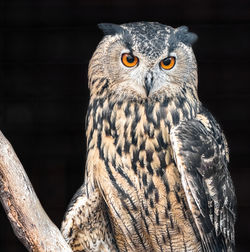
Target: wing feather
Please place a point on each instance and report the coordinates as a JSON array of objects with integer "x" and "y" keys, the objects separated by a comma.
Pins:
[
  {"x": 85, "y": 226},
  {"x": 201, "y": 156}
]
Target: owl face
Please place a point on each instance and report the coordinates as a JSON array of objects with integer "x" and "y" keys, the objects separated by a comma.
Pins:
[{"x": 146, "y": 59}]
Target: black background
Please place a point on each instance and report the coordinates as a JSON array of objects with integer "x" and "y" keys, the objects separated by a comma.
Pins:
[{"x": 45, "y": 47}]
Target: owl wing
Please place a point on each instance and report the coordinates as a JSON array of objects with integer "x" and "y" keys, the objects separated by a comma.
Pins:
[
  {"x": 201, "y": 155},
  {"x": 86, "y": 226}
]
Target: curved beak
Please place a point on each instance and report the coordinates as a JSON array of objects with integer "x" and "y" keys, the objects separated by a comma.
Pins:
[{"x": 148, "y": 82}]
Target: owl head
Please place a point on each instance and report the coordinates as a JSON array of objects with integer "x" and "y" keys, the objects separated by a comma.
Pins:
[{"x": 143, "y": 60}]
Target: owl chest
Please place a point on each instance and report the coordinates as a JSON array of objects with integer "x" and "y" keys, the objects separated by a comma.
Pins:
[
  {"x": 136, "y": 172},
  {"x": 134, "y": 142}
]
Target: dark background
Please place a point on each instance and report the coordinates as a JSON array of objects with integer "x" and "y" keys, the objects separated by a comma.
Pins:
[{"x": 45, "y": 47}]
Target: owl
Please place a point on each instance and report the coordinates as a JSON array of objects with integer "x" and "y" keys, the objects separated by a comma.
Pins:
[{"x": 156, "y": 176}]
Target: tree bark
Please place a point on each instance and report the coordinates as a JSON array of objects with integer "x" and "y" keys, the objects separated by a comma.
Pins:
[{"x": 28, "y": 219}]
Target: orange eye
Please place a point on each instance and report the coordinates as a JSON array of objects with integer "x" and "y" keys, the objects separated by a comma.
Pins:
[
  {"x": 129, "y": 60},
  {"x": 168, "y": 63}
]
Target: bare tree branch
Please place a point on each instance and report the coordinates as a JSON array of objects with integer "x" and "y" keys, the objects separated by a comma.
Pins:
[{"x": 26, "y": 215}]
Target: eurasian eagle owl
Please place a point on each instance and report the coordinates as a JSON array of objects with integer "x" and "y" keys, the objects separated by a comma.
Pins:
[{"x": 156, "y": 172}]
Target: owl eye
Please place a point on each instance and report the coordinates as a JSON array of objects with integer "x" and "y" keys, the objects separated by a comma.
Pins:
[
  {"x": 168, "y": 63},
  {"x": 129, "y": 60}
]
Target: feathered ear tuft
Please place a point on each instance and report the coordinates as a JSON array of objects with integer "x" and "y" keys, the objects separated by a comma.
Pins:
[
  {"x": 182, "y": 34},
  {"x": 110, "y": 29}
]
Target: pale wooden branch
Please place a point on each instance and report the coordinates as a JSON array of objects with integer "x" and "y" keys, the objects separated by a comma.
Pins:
[{"x": 26, "y": 215}]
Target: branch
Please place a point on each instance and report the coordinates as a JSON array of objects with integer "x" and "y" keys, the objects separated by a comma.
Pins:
[{"x": 26, "y": 215}]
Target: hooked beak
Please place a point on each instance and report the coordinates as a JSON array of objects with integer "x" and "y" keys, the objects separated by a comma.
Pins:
[{"x": 148, "y": 83}]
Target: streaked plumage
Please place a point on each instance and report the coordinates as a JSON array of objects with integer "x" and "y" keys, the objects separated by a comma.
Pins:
[{"x": 156, "y": 172}]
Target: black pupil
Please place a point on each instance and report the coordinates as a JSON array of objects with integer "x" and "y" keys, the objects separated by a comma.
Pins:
[
  {"x": 130, "y": 58},
  {"x": 167, "y": 61}
]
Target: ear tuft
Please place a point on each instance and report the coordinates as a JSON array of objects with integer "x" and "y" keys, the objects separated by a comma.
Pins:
[
  {"x": 182, "y": 34},
  {"x": 110, "y": 29}
]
